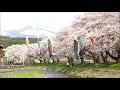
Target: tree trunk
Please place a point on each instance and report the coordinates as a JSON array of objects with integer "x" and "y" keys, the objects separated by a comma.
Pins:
[
  {"x": 104, "y": 60},
  {"x": 44, "y": 61},
  {"x": 114, "y": 58},
  {"x": 104, "y": 57},
  {"x": 93, "y": 55},
  {"x": 82, "y": 59},
  {"x": 81, "y": 54},
  {"x": 96, "y": 59}
]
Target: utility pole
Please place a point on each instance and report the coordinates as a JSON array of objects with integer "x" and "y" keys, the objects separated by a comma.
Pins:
[
  {"x": 119, "y": 21},
  {"x": 23, "y": 60},
  {"x": 119, "y": 16},
  {"x": 0, "y": 25},
  {"x": 1, "y": 59}
]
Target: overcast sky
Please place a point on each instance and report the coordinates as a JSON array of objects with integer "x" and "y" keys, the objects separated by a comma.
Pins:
[{"x": 51, "y": 20}]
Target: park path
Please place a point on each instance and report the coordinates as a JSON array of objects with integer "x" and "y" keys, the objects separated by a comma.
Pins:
[{"x": 50, "y": 74}]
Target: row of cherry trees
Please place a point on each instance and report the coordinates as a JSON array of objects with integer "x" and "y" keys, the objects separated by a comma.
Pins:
[{"x": 98, "y": 35}]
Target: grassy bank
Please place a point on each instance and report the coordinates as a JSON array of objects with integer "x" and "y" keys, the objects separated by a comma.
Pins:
[
  {"x": 109, "y": 66},
  {"x": 85, "y": 70},
  {"x": 24, "y": 74}
]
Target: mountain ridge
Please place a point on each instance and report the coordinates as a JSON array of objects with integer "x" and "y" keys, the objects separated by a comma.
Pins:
[{"x": 29, "y": 31}]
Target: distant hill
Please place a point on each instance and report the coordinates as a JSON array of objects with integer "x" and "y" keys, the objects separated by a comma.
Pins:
[
  {"x": 7, "y": 41},
  {"x": 9, "y": 37}
]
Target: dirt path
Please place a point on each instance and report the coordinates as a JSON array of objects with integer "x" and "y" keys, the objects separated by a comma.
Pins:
[{"x": 49, "y": 74}]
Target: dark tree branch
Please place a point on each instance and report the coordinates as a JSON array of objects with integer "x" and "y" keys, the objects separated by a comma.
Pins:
[
  {"x": 115, "y": 58},
  {"x": 88, "y": 55}
]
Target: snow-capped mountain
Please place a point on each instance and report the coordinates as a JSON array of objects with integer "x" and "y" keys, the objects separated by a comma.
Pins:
[
  {"x": 3, "y": 33},
  {"x": 29, "y": 31}
]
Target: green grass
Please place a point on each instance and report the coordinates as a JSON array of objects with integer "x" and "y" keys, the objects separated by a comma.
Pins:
[
  {"x": 109, "y": 66},
  {"x": 110, "y": 70},
  {"x": 25, "y": 74}
]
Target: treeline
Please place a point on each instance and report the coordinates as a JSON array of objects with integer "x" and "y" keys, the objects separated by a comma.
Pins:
[{"x": 7, "y": 41}]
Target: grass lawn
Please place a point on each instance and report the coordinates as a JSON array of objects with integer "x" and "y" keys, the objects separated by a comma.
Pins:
[
  {"x": 24, "y": 74},
  {"x": 110, "y": 70},
  {"x": 109, "y": 66}
]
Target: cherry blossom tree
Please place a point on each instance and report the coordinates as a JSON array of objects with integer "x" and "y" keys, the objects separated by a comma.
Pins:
[
  {"x": 103, "y": 27},
  {"x": 98, "y": 34}
]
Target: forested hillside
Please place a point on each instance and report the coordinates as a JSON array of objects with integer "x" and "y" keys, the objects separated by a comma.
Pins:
[{"x": 7, "y": 41}]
